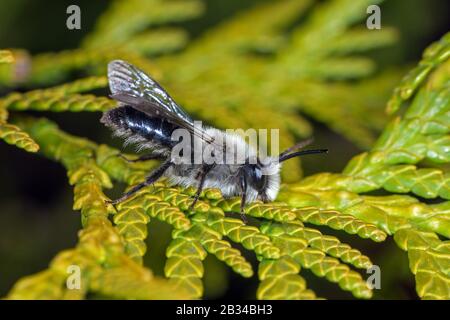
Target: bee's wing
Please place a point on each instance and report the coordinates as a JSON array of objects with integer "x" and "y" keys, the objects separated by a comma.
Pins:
[{"x": 133, "y": 87}]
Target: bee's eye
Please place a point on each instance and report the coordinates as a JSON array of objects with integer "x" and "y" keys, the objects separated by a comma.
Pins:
[
  {"x": 258, "y": 173},
  {"x": 256, "y": 178}
]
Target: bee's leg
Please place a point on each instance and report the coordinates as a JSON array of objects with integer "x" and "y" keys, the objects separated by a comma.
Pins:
[
  {"x": 145, "y": 157},
  {"x": 243, "y": 182},
  {"x": 155, "y": 175},
  {"x": 202, "y": 176}
]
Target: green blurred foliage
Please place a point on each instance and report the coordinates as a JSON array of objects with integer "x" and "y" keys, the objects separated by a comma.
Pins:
[{"x": 35, "y": 202}]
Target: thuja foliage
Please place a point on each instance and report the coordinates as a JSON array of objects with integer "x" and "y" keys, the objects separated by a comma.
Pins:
[{"x": 262, "y": 68}]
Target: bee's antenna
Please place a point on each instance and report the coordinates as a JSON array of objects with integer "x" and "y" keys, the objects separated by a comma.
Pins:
[
  {"x": 297, "y": 146},
  {"x": 284, "y": 157}
]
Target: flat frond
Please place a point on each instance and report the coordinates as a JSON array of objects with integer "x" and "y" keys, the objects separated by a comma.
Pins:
[
  {"x": 266, "y": 67},
  {"x": 6, "y": 56}
]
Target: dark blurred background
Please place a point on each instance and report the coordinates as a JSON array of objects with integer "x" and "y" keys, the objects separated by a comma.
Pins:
[{"x": 36, "y": 219}]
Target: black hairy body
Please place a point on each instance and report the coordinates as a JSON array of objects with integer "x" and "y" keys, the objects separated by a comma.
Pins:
[{"x": 157, "y": 130}]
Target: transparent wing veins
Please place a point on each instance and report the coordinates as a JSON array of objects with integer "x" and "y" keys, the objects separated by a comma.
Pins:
[{"x": 132, "y": 86}]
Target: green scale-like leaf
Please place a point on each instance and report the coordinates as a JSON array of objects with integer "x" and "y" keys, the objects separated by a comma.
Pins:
[{"x": 257, "y": 69}]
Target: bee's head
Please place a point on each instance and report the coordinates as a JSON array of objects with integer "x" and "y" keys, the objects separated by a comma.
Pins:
[{"x": 263, "y": 175}]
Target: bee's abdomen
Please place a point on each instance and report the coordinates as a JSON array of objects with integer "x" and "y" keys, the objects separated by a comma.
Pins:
[{"x": 156, "y": 130}]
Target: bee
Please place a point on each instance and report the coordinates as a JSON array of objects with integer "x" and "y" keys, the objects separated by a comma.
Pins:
[{"x": 147, "y": 116}]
